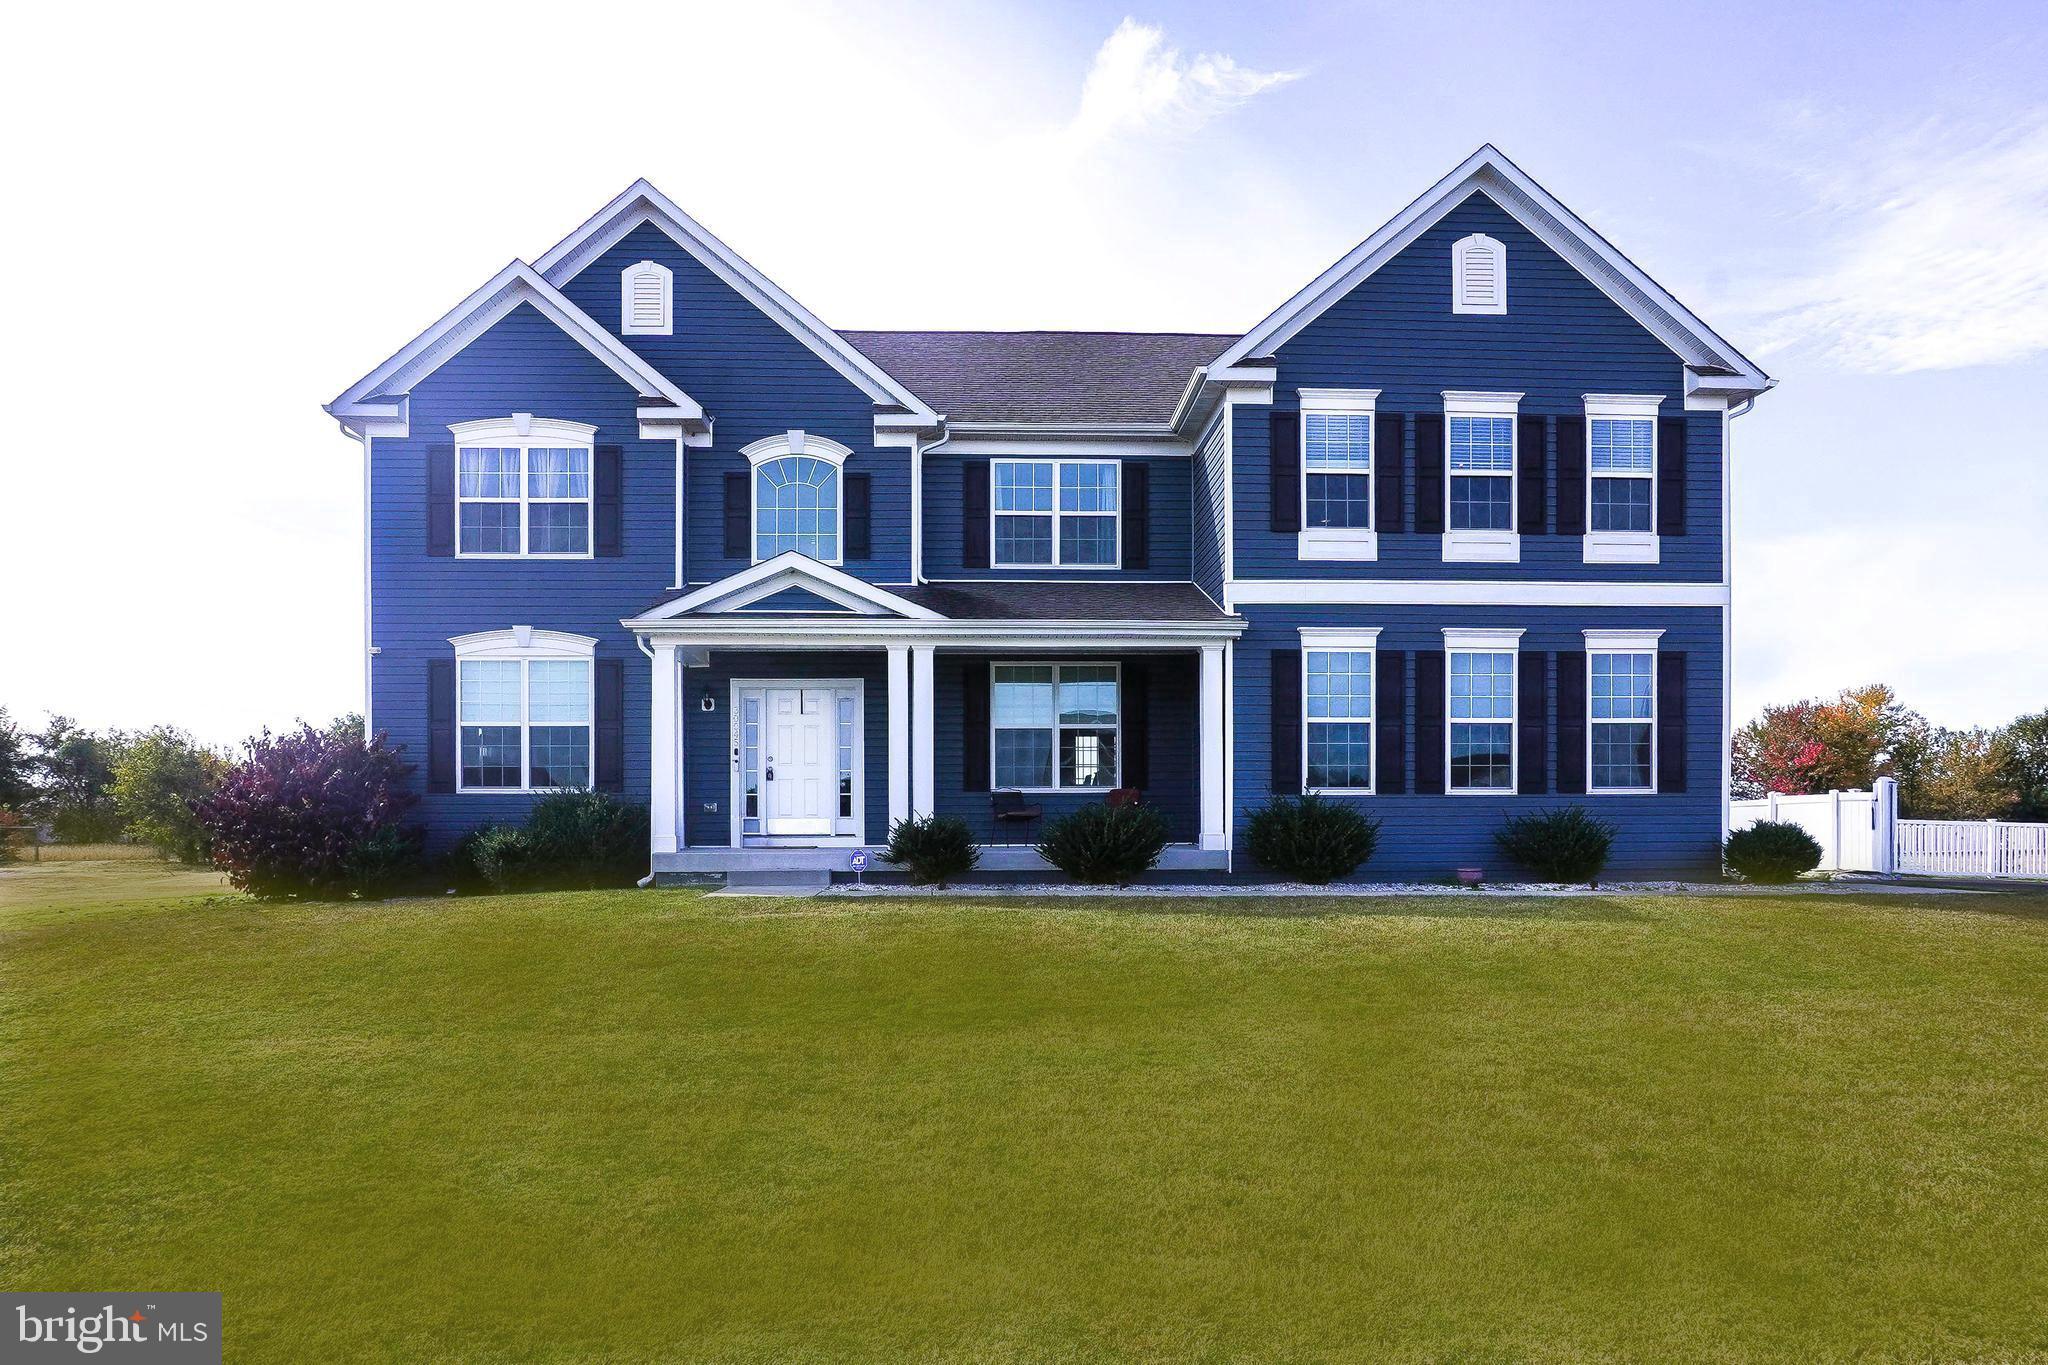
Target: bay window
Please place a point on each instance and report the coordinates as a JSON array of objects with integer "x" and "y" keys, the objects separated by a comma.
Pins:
[
  {"x": 1054, "y": 726},
  {"x": 1621, "y": 710},
  {"x": 1337, "y": 712},
  {"x": 1481, "y": 731},
  {"x": 1479, "y": 487},
  {"x": 522, "y": 488},
  {"x": 1050, "y": 513}
]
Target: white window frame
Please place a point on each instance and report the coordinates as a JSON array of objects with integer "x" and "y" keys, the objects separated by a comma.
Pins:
[
  {"x": 1489, "y": 641},
  {"x": 1622, "y": 642},
  {"x": 787, "y": 444},
  {"x": 1340, "y": 542},
  {"x": 1621, "y": 547},
  {"x": 525, "y": 645},
  {"x": 666, "y": 327},
  {"x": 1058, "y": 666},
  {"x": 1488, "y": 546},
  {"x": 1496, "y": 305},
  {"x": 524, "y": 432},
  {"x": 1059, "y": 560},
  {"x": 1319, "y": 640}
]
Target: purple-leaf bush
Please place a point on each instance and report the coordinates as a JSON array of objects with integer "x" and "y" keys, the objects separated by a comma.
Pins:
[{"x": 314, "y": 815}]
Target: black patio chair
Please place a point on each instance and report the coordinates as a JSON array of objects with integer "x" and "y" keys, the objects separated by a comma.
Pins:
[{"x": 1007, "y": 811}]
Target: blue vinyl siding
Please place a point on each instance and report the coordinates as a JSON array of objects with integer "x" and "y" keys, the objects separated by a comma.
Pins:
[
  {"x": 522, "y": 364},
  {"x": 1168, "y": 523},
  {"x": 1560, "y": 339},
  {"x": 1425, "y": 837},
  {"x": 756, "y": 380},
  {"x": 1208, "y": 496},
  {"x": 795, "y": 600}
]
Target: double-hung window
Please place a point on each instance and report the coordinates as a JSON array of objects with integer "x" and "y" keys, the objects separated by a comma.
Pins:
[
  {"x": 1621, "y": 710},
  {"x": 1479, "y": 488},
  {"x": 1481, "y": 732},
  {"x": 523, "y": 713},
  {"x": 1621, "y": 478},
  {"x": 1336, "y": 473},
  {"x": 1337, "y": 711},
  {"x": 1050, "y": 513},
  {"x": 1054, "y": 725},
  {"x": 522, "y": 488}
]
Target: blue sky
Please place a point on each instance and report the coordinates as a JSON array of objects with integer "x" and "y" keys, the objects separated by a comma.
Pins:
[{"x": 248, "y": 215}]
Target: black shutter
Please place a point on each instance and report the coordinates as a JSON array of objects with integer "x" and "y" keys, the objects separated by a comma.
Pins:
[
  {"x": 441, "y": 502},
  {"x": 974, "y": 732},
  {"x": 440, "y": 725},
  {"x": 1286, "y": 719},
  {"x": 606, "y": 538},
  {"x": 859, "y": 529},
  {"x": 738, "y": 512},
  {"x": 1671, "y": 722},
  {"x": 1671, "y": 476},
  {"x": 1137, "y": 713},
  {"x": 1388, "y": 461},
  {"x": 1429, "y": 474},
  {"x": 1429, "y": 721},
  {"x": 1137, "y": 515},
  {"x": 1533, "y": 724},
  {"x": 1283, "y": 467},
  {"x": 974, "y": 527},
  {"x": 1533, "y": 465},
  {"x": 1390, "y": 714},
  {"x": 611, "y": 725},
  {"x": 1571, "y": 722},
  {"x": 1571, "y": 477}
]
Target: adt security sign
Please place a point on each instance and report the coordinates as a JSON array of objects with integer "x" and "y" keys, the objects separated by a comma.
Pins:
[{"x": 858, "y": 862}]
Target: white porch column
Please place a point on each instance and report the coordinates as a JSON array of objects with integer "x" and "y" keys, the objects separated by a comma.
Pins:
[
  {"x": 899, "y": 735},
  {"x": 1215, "y": 754},
  {"x": 665, "y": 794},
  {"x": 923, "y": 799}
]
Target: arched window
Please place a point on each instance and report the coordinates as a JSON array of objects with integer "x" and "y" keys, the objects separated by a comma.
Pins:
[
  {"x": 797, "y": 505},
  {"x": 1479, "y": 275},
  {"x": 646, "y": 299}
]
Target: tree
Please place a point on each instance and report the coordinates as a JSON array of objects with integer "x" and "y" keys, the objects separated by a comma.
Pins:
[
  {"x": 17, "y": 765},
  {"x": 1817, "y": 746},
  {"x": 157, "y": 778},
  {"x": 2023, "y": 751},
  {"x": 75, "y": 770},
  {"x": 1957, "y": 775}
]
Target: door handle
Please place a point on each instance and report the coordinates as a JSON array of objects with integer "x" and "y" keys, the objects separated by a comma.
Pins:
[{"x": 771, "y": 775}]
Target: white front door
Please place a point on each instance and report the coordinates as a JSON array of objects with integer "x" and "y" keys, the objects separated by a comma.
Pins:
[{"x": 799, "y": 762}]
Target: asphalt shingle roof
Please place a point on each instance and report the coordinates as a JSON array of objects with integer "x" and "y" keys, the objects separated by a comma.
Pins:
[
  {"x": 1044, "y": 376},
  {"x": 1066, "y": 601}
]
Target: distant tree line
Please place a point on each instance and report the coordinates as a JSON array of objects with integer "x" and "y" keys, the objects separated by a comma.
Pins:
[{"x": 1848, "y": 741}]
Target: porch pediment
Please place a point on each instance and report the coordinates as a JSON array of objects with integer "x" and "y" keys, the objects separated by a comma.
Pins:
[{"x": 789, "y": 584}]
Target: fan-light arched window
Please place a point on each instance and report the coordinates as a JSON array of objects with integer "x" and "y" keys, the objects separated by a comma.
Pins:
[
  {"x": 797, "y": 502},
  {"x": 646, "y": 299},
  {"x": 1479, "y": 275}
]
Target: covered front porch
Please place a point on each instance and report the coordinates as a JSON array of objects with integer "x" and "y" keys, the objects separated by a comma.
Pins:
[{"x": 799, "y": 715}]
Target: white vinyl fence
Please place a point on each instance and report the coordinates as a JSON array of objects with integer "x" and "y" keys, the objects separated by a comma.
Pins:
[{"x": 1862, "y": 832}]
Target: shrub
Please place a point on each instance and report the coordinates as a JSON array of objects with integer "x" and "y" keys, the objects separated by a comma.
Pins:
[
  {"x": 1566, "y": 845},
  {"x": 1105, "y": 845},
  {"x": 570, "y": 841},
  {"x": 1771, "y": 851},
  {"x": 311, "y": 816},
  {"x": 1312, "y": 840},
  {"x": 502, "y": 858},
  {"x": 157, "y": 777},
  {"x": 934, "y": 849}
]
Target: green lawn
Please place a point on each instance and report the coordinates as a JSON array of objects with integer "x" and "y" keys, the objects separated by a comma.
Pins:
[{"x": 649, "y": 1126}]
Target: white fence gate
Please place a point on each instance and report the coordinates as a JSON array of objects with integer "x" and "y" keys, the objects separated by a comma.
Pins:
[{"x": 1862, "y": 832}]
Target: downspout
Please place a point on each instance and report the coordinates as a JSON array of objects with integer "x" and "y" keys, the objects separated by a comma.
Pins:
[
  {"x": 648, "y": 880},
  {"x": 1728, "y": 611}
]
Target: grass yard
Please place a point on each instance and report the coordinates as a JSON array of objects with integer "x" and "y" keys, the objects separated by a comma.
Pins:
[{"x": 648, "y": 1126}]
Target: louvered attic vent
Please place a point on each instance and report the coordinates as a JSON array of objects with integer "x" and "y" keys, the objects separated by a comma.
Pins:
[
  {"x": 1479, "y": 275},
  {"x": 646, "y": 299}
]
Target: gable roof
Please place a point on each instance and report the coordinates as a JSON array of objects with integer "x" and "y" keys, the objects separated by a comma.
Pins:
[
  {"x": 778, "y": 575},
  {"x": 641, "y": 203},
  {"x": 1065, "y": 377},
  {"x": 1489, "y": 172},
  {"x": 516, "y": 284}
]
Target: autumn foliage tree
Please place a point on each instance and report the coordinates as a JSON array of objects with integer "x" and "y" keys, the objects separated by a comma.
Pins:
[{"x": 1845, "y": 743}]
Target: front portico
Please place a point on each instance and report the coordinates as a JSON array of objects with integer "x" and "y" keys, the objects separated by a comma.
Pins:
[{"x": 799, "y": 712}]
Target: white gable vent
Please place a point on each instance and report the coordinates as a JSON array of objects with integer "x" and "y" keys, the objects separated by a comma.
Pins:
[
  {"x": 1479, "y": 275},
  {"x": 646, "y": 299}
]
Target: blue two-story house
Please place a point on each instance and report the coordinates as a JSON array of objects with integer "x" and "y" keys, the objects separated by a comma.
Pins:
[{"x": 1445, "y": 536}]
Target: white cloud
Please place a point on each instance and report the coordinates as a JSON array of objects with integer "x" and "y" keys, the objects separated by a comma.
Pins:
[
  {"x": 1139, "y": 84},
  {"x": 1940, "y": 260}
]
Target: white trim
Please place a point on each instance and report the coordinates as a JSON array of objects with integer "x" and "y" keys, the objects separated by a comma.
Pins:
[
  {"x": 524, "y": 645},
  {"x": 1474, "y": 545},
  {"x": 1350, "y": 543},
  {"x": 818, "y": 632},
  {"x": 1353, "y": 640},
  {"x": 796, "y": 444},
  {"x": 770, "y": 576},
  {"x": 1621, "y": 642},
  {"x": 665, "y": 804},
  {"x": 666, "y": 325},
  {"x": 924, "y": 799},
  {"x": 1469, "y": 640},
  {"x": 735, "y": 797},
  {"x": 1029, "y": 445},
  {"x": 1114, "y": 517},
  {"x": 1488, "y": 171},
  {"x": 1056, "y": 726},
  {"x": 1340, "y": 400},
  {"x": 1481, "y": 638},
  {"x": 1458, "y": 592},
  {"x": 641, "y": 203},
  {"x": 1461, "y": 302},
  {"x": 1212, "y": 710},
  {"x": 524, "y": 432},
  {"x": 899, "y": 734},
  {"x": 1622, "y": 404},
  {"x": 524, "y": 642}
]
